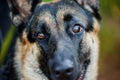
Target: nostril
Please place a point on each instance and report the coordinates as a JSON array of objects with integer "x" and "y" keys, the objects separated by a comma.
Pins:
[
  {"x": 69, "y": 71},
  {"x": 66, "y": 72},
  {"x": 57, "y": 73}
]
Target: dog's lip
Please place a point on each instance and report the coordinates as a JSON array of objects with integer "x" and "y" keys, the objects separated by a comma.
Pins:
[
  {"x": 83, "y": 71},
  {"x": 82, "y": 74}
]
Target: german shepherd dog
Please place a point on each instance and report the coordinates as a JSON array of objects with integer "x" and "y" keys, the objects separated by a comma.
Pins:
[{"x": 57, "y": 40}]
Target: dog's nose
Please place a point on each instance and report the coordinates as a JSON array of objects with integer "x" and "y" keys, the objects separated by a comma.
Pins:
[{"x": 64, "y": 69}]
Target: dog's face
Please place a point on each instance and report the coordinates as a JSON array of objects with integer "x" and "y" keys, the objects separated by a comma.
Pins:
[{"x": 60, "y": 30}]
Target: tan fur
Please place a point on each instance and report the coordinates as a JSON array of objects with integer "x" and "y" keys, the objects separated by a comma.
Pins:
[
  {"x": 92, "y": 40},
  {"x": 91, "y": 73},
  {"x": 96, "y": 26},
  {"x": 26, "y": 60}
]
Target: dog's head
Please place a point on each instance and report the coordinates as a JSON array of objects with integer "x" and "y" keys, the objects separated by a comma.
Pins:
[{"x": 65, "y": 30}]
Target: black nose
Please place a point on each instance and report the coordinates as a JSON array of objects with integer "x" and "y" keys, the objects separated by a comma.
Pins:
[{"x": 63, "y": 68}]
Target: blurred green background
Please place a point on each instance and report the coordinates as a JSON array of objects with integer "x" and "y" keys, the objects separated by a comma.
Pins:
[
  {"x": 109, "y": 63},
  {"x": 110, "y": 40}
]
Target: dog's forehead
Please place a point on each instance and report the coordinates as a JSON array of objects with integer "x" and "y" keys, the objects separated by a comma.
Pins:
[{"x": 53, "y": 14}]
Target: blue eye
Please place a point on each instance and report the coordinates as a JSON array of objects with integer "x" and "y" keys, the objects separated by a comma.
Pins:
[
  {"x": 40, "y": 36},
  {"x": 76, "y": 28}
]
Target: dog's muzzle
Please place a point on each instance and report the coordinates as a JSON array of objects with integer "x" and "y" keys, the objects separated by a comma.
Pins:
[{"x": 64, "y": 67}]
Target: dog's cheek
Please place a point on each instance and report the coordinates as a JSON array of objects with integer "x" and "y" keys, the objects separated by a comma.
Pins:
[
  {"x": 43, "y": 61},
  {"x": 84, "y": 50}
]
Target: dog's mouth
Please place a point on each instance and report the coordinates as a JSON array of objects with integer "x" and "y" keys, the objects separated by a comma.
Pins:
[
  {"x": 83, "y": 71},
  {"x": 82, "y": 74}
]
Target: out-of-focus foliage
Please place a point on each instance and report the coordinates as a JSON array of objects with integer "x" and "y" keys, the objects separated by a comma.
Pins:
[
  {"x": 47, "y": 0},
  {"x": 6, "y": 43},
  {"x": 107, "y": 6},
  {"x": 109, "y": 33},
  {"x": 110, "y": 40}
]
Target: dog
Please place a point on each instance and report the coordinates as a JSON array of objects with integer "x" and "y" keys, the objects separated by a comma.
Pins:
[{"x": 56, "y": 40}]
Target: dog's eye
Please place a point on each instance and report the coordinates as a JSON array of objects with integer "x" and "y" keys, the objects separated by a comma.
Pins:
[
  {"x": 76, "y": 28},
  {"x": 40, "y": 36}
]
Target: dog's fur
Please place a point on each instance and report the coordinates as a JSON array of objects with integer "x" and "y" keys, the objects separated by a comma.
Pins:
[{"x": 33, "y": 58}]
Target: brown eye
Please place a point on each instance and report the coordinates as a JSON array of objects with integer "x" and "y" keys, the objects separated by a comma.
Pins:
[
  {"x": 76, "y": 28},
  {"x": 40, "y": 36}
]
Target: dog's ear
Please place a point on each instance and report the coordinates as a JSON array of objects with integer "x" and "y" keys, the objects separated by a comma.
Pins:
[
  {"x": 92, "y": 6},
  {"x": 92, "y": 3},
  {"x": 20, "y": 10}
]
